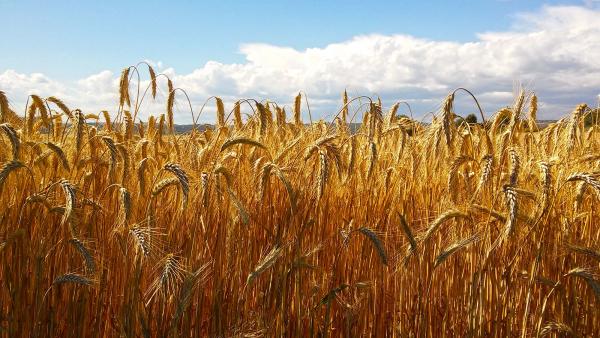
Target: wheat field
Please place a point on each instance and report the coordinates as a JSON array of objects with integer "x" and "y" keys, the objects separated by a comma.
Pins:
[{"x": 269, "y": 226}]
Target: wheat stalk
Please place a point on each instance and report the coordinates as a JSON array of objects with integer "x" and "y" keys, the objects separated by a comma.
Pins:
[
  {"x": 85, "y": 253},
  {"x": 265, "y": 263},
  {"x": 220, "y": 112},
  {"x": 449, "y": 214},
  {"x": 297, "y": 110},
  {"x": 72, "y": 278},
  {"x": 323, "y": 174},
  {"x": 184, "y": 182},
  {"x": 14, "y": 139},
  {"x": 60, "y": 154},
  {"x": 589, "y": 252},
  {"x": 513, "y": 208},
  {"x": 453, "y": 248},
  {"x": 171, "y": 273},
  {"x": 588, "y": 277},
  {"x": 170, "y": 103},
  {"x": 4, "y": 107},
  {"x": 153, "y": 84},
  {"x": 374, "y": 239},
  {"x": 237, "y": 116},
  {"x": 589, "y": 178},
  {"x": 124, "y": 88},
  {"x": 532, "y": 116},
  {"x": 515, "y": 166}
]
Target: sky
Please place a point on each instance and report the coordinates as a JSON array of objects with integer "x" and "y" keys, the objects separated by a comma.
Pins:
[{"x": 396, "y": 50}]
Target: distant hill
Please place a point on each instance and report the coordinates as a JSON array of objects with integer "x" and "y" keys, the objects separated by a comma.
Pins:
[
  {"x": 544, "y": 123},
  {"x": 186, "y": 128}
]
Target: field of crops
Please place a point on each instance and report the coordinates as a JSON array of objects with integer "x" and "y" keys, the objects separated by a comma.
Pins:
[{"x": 268, "y": 225}]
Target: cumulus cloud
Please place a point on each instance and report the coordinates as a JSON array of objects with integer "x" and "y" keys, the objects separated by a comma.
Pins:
[{"x": 554, "y": 52}]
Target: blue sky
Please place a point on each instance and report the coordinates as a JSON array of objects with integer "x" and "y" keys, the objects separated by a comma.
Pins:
[
  {"x": 413, "y": 51},
  {"x": 76, "y": 38}
]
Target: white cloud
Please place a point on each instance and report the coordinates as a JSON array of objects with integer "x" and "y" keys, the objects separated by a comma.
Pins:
[{"x": 555, "y": 52}]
